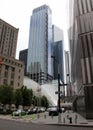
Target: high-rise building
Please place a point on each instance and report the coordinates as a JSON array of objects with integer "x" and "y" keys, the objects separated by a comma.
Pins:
[
  {"x": 81, "y": 51},
  {"x": 40, "y": 43},
  {"x": 11, "y": 70},
  {"x": 8, "y": 39},
  {"x": 23, "y": 57},
  {"x": 67, "y": 73},
  {"x": 58, "y": 61}
]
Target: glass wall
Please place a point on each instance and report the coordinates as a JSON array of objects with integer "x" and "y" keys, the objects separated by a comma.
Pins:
[{"x": 40, "y": 40}]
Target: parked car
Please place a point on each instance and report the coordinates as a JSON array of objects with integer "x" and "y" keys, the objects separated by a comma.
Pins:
[
  {"x": 19, "y": 112},
  {"x": 53, "y": 111},
  {"x": 32, "y": 111},
  {"x": 41, "y": 109}
]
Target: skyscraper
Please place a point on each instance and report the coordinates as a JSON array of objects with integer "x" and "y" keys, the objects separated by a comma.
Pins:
[
  {"x": 57, "y": 35},
  {"x": 8, "y": 39},
  {"x": 40, "y": 43},
  {"x": 11, "y": 70},
  {"x": 23, "y": 57},
  {"x": 81, "y": 45},
  {"x": 81, "y": 50}
]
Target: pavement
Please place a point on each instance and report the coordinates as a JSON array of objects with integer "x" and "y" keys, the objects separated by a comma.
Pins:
[{"x": 65, "y": 119}]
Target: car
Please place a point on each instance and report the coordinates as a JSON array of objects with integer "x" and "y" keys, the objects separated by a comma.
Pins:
[
  {"x": 53, "y": 111},
  {"x": 32, "y": 111},
  {"x": 19, "y": 112},
  {"x": 41, "y": 109}
]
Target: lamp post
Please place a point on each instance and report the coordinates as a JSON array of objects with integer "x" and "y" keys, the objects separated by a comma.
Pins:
[
  {"x": 59, "y": 84},
  {"x": 59, "y": 108}
]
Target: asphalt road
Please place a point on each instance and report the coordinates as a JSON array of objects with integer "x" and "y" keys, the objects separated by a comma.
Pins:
[{"x": 14, "y": 125}]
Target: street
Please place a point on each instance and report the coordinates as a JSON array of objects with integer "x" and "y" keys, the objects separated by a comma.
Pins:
[{"x": 15, "y": 125}]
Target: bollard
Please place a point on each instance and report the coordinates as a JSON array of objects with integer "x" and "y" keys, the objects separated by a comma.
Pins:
[
  {"x": 76, "y": 119},
  {"x": 64, "y": 120},
  {"x": 52, "y": 116},
  {"x": 38, "y": 116},
  {"x": 20, "y": 115},
  {"x": 45, "y": 116},
  {"x": 26, "y": 114},
  {"x": 13, "y": 114}
]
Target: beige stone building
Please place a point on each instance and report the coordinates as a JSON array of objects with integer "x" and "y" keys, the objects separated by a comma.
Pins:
[{"x": 11, "y": 70}]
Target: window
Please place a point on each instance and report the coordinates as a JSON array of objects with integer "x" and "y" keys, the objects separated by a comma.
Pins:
[
  {"x": 12, "y": 83},
  {"x": 5, "y": 81},
  {"x": 6, "y": 74},
  {"x": 6, "y": 67}
]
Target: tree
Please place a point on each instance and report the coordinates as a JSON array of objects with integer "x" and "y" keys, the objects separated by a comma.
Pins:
[
  {"x": 18, "y": 97},
  {"x": 44, "y": 102},
  {"x": 6, "y": 94},
  {"x": 27, "y": 96}
]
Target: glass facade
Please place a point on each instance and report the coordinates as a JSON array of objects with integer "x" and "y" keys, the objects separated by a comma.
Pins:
[
  {"x": 81, "y": 51},
  {"x": 57, "y": 35},
  {"x": 81, "y": 44},
  {"x": 40, "y": 43}
]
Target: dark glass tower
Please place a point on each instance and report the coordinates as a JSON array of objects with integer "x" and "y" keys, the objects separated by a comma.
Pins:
[{"x": 40, "y": 45}]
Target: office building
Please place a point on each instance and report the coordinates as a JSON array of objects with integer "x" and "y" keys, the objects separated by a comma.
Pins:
[
  {"x": 40, "y": 45},
  {"x": 8, "y": 39},
  {"x": 67, "y": 73},
  {"x": 23, "y": 57},
  {"x": 81, "y": 50},
  {"x": 11, "y": 70},
  {"x": 57, "y": 35}
]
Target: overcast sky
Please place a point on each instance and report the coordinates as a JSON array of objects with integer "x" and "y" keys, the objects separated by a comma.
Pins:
[{"x": 18, "y": 12}]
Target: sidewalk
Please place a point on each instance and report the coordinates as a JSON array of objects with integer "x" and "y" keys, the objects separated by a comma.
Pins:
[
  {"x": 44, "y": 118},
  {"x": 77, "y": 120}
]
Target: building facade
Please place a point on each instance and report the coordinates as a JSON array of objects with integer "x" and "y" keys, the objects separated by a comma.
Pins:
[
  {"x": 67, "y": 73},
  {"x": 81, "y": 50},
  {"x": 40, "y": 43},
  {"x": 11, "y": 70},
  {"x": 23, "y": 57},
  {"x": 8, "y": 39},
  {"x": 57, "y": 35}
]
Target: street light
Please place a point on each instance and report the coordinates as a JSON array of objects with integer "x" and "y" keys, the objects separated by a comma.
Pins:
[{"x": 59, "y": 84}]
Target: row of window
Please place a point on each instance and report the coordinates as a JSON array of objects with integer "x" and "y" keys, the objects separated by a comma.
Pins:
[
  {"x": 85, "y": 23},
  {"x": 11, "y": 82},
  {"x": 12, "y": 62},
  {"x": 84, "y": 6}
]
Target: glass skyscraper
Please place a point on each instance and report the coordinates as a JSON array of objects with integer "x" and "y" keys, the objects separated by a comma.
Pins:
[
  {"x": 57, "y": 35},
  {"x": 81, "y": 43},
  {"x": 40, "y": 45},
  {"x": 81, "y": 51}
]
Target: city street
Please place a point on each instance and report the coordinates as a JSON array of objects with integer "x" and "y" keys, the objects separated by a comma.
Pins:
[{"x": 14, "y": 125}]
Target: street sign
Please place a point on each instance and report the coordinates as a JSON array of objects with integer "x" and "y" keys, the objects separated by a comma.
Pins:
[
  {"x": 63, "y": 84},
  {"x": 58, "y": 92}
]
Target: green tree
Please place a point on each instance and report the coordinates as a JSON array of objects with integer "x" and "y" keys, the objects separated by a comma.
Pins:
[
  {"x": 27, "y": 96},
  {"x": 18, "y": 97},
  {"x": 6, "y": 94},
  {"x": 44, "y": 102}
]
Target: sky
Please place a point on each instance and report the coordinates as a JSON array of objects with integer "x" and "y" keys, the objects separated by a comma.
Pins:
[{"x": 18, "y": 13}]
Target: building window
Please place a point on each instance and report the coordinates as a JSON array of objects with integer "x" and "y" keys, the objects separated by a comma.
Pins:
[
  {"x": 6, "y": 67},
  {"x": 18, "y": 84},
  {"x": 6, "y": 74},
  {"x": 11, "y": 83},
  {"x": 12, "y": 75},
  {"x": 12, "y": 69},
  {"x": 5, "y": 81},
  {"x": 18, "y": 77}
]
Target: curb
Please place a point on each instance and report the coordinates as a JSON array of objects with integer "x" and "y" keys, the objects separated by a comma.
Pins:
[{"x": 72, "y": 125}]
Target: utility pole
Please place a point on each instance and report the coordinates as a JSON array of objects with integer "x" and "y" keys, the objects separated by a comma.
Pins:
[{"x": 59, "y": 107}]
